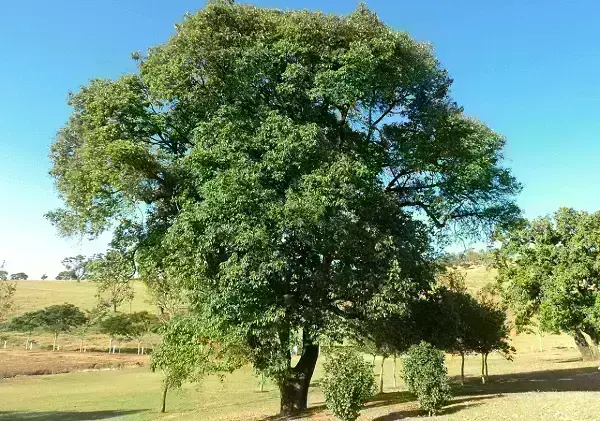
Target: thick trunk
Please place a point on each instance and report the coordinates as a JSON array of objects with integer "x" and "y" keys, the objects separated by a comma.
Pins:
[
  {"x": 482, "y": 369},
  {"x": 294, "y": 389},
  {"x": 380, "y": 388},
  {"x": 163, "y": 408},
  {"x": 462, "y": 368},
  {"x": 587, "y": 354},
  {"x": 394, "y": 372}
]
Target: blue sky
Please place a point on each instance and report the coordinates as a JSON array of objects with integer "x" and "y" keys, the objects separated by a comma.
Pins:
[{"x": 530, "y": 70}]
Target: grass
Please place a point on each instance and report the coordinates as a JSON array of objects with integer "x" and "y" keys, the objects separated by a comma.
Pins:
[
  {"x": 33, "y": 295},
  {"x": 552, "y": 384},
  {"x": 537, "y": 385}
]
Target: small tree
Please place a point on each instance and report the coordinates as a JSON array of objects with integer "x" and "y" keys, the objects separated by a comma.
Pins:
[
  {"x": 112, "y": 273},
  {"x": 7, "y": 293},
  {"x": 347, "y": 384},
  {"x": 185, "y": 355},
  {"x": 19, "y": 276},
  {"x": 60, "y": 318},
  {"x": 93, "y": 318},
  {"x": 3, "y": 275},
  {"x": 491, "y": 331},
  {"x": 425, "y": 375},
  {"x": 142, "y": 323},
  {"x": 116, "y": 326},
  {"x": 44, "y": 277},
  {"x": 26, "y": 323}
]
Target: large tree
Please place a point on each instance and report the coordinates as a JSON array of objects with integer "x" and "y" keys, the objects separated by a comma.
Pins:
[
  {"x": 549, "y": 269},
  {"x": 275, "y": 165},
  {"x": 113, "y": 274}
]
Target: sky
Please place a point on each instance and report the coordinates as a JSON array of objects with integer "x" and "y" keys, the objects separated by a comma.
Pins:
[{"x": 530, "y": 70}]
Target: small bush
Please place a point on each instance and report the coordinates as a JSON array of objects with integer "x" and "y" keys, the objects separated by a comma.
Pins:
[
  {"x": 425, "y": 375},
  {"x": 348, "y": 383}
]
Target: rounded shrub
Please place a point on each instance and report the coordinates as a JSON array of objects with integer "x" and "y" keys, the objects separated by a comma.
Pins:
[
  {"x": 348, "y": 383},
  {"x": 425, "y": 375}
]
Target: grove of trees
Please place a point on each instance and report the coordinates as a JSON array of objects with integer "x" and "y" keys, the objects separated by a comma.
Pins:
[
  {"x": 289, "y": 173},
  {"x": 548, "y": 269}
]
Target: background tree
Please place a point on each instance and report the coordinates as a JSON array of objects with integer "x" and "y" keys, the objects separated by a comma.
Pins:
[
  {"x": 112, "y": 274},
  {"x": 142, "y": 323},
  {"x": 284, "y": 160},
  {"x": 93, "y": 318},
  {"x": 26, "y": 323},
  {"x": 7, "y": 293},
  {"x": 548, "y": 271},
  {"x": 44, "y": 277},
  {"x": 76, "y": 268},
  {"x": 19, "y": 276},
  {"x": 3, "y": 275},
  {"x": 116, "y": 326},
  {"x": 60, "y": 318}
]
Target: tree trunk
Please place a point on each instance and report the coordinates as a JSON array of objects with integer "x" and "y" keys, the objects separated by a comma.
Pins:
[
  {"x": 462, "y": 368},
  {"x": 110, "y": 345},
  {"x": 380, "y": 389},
  {"x": 81, "y": 345},
  {"x": 583, "y": 346},
  {"x": 540, "y": 344},
  {"x": 54, "y": 343},
  {"x": 482, "y": 369},
  {"x": 486, "y": 365},
  {"x": 27, "y": 342},
  {"x": 139, "y": 347},
  {"x": 4, "y": 344},
  {"x": 114, "y": 307},
  {"x": 394, "y": 372},
  {"x": 163, "y": 408},
  {"x": 374, "y": 356},
  {"x": 294, "y": 389}
]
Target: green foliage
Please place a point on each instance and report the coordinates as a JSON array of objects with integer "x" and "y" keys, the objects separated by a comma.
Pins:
[
  {"x": 285, "y": 163},
  {"x": 66, "y": 275},
  {"x": 44, "y": 277},
  {"x": 61, "y": 318},
  {"x": 3, "y": 275},
  {"x": 347, "y": 384},
  {"x": 187, "y": 353},
  {"x": 117, "y": 325},
  {"x": 548, "y": 269},
  {"x": 112, "y": 273},
  {"x": 76, "y": 268},
  {"x": 7, "y": 292},
  {"x": 19, "y": 276},
  {"x": 425, "y": 375}
]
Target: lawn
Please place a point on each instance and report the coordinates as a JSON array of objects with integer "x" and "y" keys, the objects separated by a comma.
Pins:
[{"x": 552, "y": 384}]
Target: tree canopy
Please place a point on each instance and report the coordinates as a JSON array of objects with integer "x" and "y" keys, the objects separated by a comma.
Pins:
[
  {"x": 277, "y": 166},
  {"x": 19, "y": 276},
  {"x": 76, "y": 268},
  {"x": 548, "y": 268}
]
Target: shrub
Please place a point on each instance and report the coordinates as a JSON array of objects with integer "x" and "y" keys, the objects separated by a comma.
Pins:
[
  {"x": 347, "y": 384},
  {"x": 425, "y": 376}
]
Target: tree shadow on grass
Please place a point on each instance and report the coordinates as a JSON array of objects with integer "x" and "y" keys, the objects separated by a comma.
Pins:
[
  {"x": 66, "y": 415},
  {"x": 583, "y": 379}
]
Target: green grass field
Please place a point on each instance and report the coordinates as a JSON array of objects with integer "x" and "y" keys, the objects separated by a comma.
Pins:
[
  {"x": 552, "y": 384},
  {"x": 33, "y": 295}
]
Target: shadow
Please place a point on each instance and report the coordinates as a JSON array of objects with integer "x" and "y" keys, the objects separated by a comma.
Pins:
[
  {"x": 583, "y": 379},
  {"x": 310, "y": 411},
  {"x": 66, "y": 415},
  {"x": 399, "y": 415}
]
